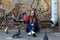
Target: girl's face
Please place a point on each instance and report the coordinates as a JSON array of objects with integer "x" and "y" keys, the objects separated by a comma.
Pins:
[{"x": 32, "y": 13}]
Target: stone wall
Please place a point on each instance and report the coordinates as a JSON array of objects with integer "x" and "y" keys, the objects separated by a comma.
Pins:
[
  {"x": 45, "y": 6},
  {"x": 44, "y": 13}
]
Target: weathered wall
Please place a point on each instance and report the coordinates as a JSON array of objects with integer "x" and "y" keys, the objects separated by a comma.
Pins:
[{"x": 45, "y": 6}]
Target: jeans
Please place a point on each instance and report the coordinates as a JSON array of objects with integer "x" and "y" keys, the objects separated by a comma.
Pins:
[{"x": 29, "y": 27}]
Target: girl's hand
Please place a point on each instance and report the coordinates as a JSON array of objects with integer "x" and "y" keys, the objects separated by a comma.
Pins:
[{"x": 32, "y": 24}]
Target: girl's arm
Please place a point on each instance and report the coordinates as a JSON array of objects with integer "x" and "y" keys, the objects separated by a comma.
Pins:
[{"x": 27, "y": 20}]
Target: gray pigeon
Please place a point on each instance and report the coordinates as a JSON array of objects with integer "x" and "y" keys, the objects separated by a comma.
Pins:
[{"x": 45, "y": 37}]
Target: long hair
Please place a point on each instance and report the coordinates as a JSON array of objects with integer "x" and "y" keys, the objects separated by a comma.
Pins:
[{"x": 33, "y": 19}]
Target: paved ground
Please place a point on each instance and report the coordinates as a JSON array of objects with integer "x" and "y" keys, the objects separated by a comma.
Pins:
[{"x": 40, "y": 36}]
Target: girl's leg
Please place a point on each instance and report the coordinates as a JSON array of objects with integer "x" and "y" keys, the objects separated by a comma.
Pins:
[
  {"x": 31, "y": 31},
  {"x": 29, "y": 28},
  {"x": 36, "y": 29}
]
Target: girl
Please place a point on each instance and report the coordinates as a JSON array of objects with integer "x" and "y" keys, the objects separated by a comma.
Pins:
[{"x": 31, "y": 22}]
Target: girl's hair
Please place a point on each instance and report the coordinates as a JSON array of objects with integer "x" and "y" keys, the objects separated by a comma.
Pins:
[
  {"x": 33, "y": 18},
  {"x": 34, "y": 13}
]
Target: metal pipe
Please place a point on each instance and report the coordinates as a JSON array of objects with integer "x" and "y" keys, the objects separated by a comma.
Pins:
[{"x": 54, "y": 15}]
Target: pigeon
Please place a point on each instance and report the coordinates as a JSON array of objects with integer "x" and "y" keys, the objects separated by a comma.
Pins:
[
  {"x": 17, "y": 34},
  {"x": 45, "y": 37}
]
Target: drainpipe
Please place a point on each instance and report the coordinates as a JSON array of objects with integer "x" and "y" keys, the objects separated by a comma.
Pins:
[
  {"x": 54, "y": 15},
  {"x": 59, "y": 17}
]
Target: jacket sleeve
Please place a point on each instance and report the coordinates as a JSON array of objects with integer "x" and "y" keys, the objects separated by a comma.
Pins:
[{"x": 27, "y": 19}]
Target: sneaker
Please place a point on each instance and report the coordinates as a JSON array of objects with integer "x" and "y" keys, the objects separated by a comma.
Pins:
[
  {"x": 34, "y": 35},
  {"x": 32, "y": 32},
  {"x": 29, "y": 34}
]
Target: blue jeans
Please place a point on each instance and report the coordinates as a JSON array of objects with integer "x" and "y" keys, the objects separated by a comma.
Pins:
[{"x": 29, "y": 27}]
